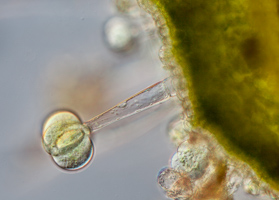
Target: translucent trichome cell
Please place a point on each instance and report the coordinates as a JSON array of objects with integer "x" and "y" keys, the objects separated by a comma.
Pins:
[{"x": 68, "y": 140}]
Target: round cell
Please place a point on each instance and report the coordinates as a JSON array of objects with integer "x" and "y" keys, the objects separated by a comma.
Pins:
[
  {"x": 192, "y": 159},
  {"x": 167, "y": 177},
  {"x": 175, "y": 184},
  {"x": 67, "y": 140},
  {"x": 178, "y": 130},
  {"x": 119, "y": 34}
]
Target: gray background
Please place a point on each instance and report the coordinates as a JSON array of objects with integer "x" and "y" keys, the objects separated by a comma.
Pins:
[{"x": 52, "y": 56}]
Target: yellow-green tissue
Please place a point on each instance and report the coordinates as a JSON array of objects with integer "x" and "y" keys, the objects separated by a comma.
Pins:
[{"x": 229, "y": 53}]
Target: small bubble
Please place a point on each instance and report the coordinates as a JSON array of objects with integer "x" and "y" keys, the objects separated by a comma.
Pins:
[{"x": 123, "y": 105}]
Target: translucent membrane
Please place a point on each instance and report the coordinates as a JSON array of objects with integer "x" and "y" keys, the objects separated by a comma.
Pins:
[
  {"x": 68, "y": 141},
  {"x": 151, "y": 96}
]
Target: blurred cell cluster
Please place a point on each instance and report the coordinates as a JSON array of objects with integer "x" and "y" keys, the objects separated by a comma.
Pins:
[{"x": 200, "y": 168}]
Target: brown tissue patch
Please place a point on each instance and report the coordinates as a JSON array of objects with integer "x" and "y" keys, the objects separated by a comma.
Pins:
[
  {"x": 214, "y": 188},
  {"x": 251, "y": 52},
  {"x": 277, "y": 7}
]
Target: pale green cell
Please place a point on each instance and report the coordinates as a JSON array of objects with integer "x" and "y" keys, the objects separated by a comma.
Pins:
[{"x": 67, "y": 140}]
